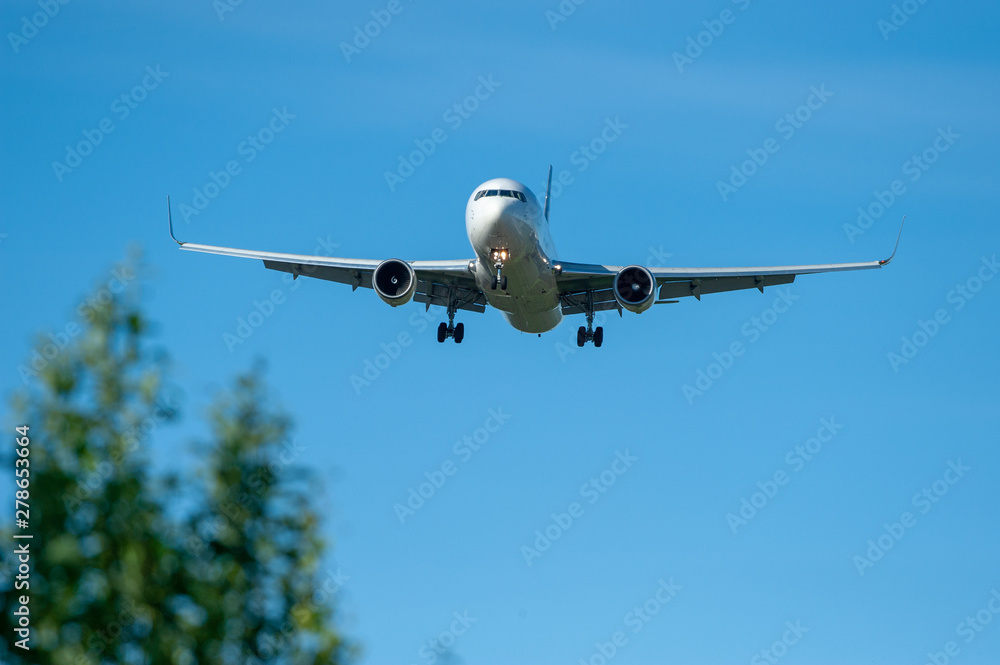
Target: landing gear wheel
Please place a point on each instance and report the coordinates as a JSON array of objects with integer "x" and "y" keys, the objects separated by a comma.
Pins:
[
  {"x": 581, "y": 336},
  {"x": 442, "y": 331},
  {"x": 598, "y": 336},
  {"x": 493, "y": 284},
  {"x": 459, "y": 332},
  {"x": 503, "y": 282}
]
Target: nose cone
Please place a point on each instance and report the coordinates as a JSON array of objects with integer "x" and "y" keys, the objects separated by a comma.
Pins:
[
  {"x": 496, "y": 211},
  {"x": 502, "y": 214},
  {"x": 501, "y": 223}
]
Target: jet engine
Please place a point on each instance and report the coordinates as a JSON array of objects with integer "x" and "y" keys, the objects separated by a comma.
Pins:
[
  {"x": 635, "y": 289},
  {"x": 394, "y": 282}
]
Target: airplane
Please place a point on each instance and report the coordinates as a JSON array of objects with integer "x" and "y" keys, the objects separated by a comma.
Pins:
[{"x": 516, "y": 270}]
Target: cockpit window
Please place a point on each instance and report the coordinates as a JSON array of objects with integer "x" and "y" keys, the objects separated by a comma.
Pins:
[{"x": 508, "y": 193}]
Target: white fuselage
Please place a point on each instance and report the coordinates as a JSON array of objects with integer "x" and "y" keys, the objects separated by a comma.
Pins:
[{"x": 504, "y": 225}]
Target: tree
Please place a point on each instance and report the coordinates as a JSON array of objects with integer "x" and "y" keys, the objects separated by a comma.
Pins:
[{"x": 117, "y": 578}]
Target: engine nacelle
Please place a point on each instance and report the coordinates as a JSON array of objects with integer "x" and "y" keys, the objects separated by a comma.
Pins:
[
  {"x": 395, "y": 282},
  {"x": 635, "y": 289}
]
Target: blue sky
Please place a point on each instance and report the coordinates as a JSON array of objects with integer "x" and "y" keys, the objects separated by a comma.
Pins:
[{"x": 819, "y": 369}]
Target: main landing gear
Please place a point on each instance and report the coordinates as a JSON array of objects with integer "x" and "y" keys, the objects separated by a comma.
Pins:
[
  {"x": 451, "y": 329},
  {"x": 456, "y": 331},
  {"x": 590, "y": 334}
]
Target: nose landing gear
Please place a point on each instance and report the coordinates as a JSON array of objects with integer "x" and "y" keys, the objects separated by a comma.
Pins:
[{"x": 499, "y": 256}]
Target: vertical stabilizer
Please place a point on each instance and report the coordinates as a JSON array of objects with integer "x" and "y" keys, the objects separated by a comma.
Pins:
[{"x": 548, "y": 192}]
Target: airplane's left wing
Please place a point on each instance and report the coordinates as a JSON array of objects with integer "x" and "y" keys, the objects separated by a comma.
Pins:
[
  {"x": 438, "y": 282},
  {"x": 581, "y": 283}
]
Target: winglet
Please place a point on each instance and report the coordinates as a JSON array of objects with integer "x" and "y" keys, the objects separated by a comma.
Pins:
[
  {"x": 886, "y": 262},
  {"x": 548, "y": 190},
  {"x": 170, "y": 223}
]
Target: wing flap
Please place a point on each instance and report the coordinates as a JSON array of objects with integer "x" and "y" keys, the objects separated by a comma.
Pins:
[
  {"x": 355, "y": 277},
  {"x": 568, "y": 309},
  {"x": 575, "y": 302},
  {"x": 698, "y": 287},
  {"x": 431, "y": 293}
]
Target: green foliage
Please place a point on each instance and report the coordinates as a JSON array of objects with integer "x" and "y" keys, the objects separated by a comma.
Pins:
[{"x": 116, "y": 578}]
